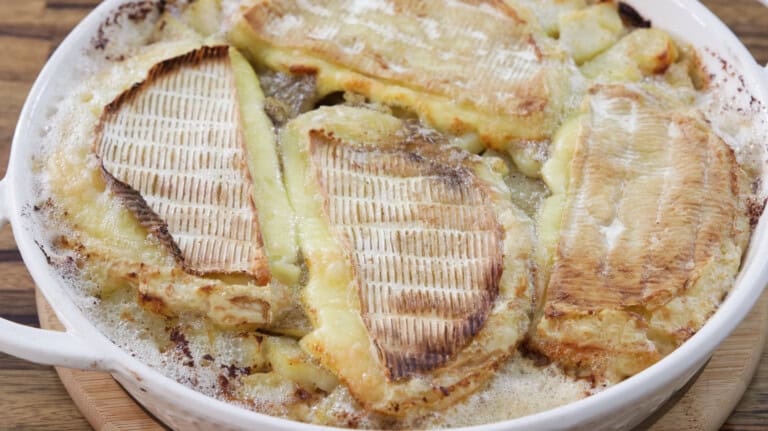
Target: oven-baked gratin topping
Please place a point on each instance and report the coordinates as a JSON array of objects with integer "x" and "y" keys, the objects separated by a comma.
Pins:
[
  {"x": 396, "y": 214},
  {"x": 174, "y": 152},
  {"x": 419, "y": 265},
  {"x": 482, "y": 69},
  {"x": 642, "y": 235},
  {"x": 172, "y": 148}
]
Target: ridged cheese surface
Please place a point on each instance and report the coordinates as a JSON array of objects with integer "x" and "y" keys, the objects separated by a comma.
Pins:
[
  {"x": 486, "y": 52},
  {"x": 420, "y": 275},
  {"x": 176, "y": 140},
  {"x": 650, "y": 195},
  {"x": 651, "y": 220},
  {"x": 426, "y": 247},
  {"x": 480, "y": 68}
]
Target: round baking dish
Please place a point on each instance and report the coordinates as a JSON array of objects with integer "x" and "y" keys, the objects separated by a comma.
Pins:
[{"x": 83, "y": 346}]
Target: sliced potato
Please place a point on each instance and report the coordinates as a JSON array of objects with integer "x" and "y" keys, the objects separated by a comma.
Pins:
[
  {"x": 204, "y": 16},
  {"x": 275, "y": 212},
  {"x": 587, "y": 32},
  {"x": 288, "y": 360},
  {"x": 548, "y": 12},
  {"x": 644, "y": 52}
]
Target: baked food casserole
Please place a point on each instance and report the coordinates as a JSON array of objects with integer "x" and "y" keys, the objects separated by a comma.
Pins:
[{"x": 397, "y": 214}]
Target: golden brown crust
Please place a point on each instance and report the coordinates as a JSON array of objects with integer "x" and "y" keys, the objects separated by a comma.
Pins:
[
  {"x": 411, "y": 175},
  {"x": 476, "y": 68},
  {"x": 425, "y": 291},
  {"x": 506, "y": 87},
  {"x": 672, "y": 209},
  {"x": 653, "y": 224},
  {"x": 155, "y": 144}
]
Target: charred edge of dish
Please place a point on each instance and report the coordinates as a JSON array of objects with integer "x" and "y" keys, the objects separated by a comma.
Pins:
[
  {"x": 731, "y": 72},
  {"x": 231, "y": 373},
  {"x": 43, "y": 250},
  {"x": 136, "y": 11},
  {"x": 631, "y": 17},
  {"x": 178, "y": 338},
  {"x": 195, "y": 57},
  {"x": 755, "y": 209}
]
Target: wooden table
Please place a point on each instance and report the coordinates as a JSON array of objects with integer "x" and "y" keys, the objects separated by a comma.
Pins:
[{"x": 31, "y": 396}]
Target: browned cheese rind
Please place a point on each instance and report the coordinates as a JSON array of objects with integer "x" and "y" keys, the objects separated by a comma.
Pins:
[
  {"x": 425, "y": 243},
  {"x": 652, "y": 229},
  {"x": 420, "y": 267},
  {"x": 482, "y": 68},
  {"x": 172, "y": 149}
]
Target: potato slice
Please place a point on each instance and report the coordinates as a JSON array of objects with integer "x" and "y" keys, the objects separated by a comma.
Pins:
[
  {"x": 644, "y": 52},
  {"x": 548, "y": 12},
  {"x": 204, "y": 16},
  {"x": 587, "y": 32},
  {"x": 475, "y": 70}
]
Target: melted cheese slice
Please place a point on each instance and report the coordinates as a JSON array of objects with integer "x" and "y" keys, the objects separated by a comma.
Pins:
[
  {"x": 419, "y": 264},
  {"x": 643, "y": 233},
  {"x": 174, "y": 152},
  {"x": 475, "y": 68},
  {"x": 426, "y": 248},
  {"x": 172, "y": 148}
]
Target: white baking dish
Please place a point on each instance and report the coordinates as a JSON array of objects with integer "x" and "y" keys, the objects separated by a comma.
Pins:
[{"x": 83, "y": 346}]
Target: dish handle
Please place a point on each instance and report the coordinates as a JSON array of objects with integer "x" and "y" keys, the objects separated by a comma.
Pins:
[{"x": 42, "y": 346}]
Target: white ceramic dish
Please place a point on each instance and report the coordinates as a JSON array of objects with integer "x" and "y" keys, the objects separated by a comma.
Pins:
[{"x": 83, "y": 346}]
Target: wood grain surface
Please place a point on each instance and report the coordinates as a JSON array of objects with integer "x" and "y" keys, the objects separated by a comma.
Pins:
[
  {"x": 100, "y": 399},
  {"x": 32, "y": 396}
]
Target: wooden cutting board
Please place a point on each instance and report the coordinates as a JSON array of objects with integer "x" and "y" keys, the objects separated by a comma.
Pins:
[
  {"x": 703, "y": 404},
  {"x": 103, "y": 402}
]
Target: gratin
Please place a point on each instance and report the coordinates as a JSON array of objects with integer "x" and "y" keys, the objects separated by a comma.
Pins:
[{"x": 386, "y": 214}]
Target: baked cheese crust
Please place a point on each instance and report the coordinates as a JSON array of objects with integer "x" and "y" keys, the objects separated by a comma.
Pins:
[
  {"x": 419, "y": 265},
  {"x": 478, "y": 68},
  {"x": 642, "y": 236}
]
